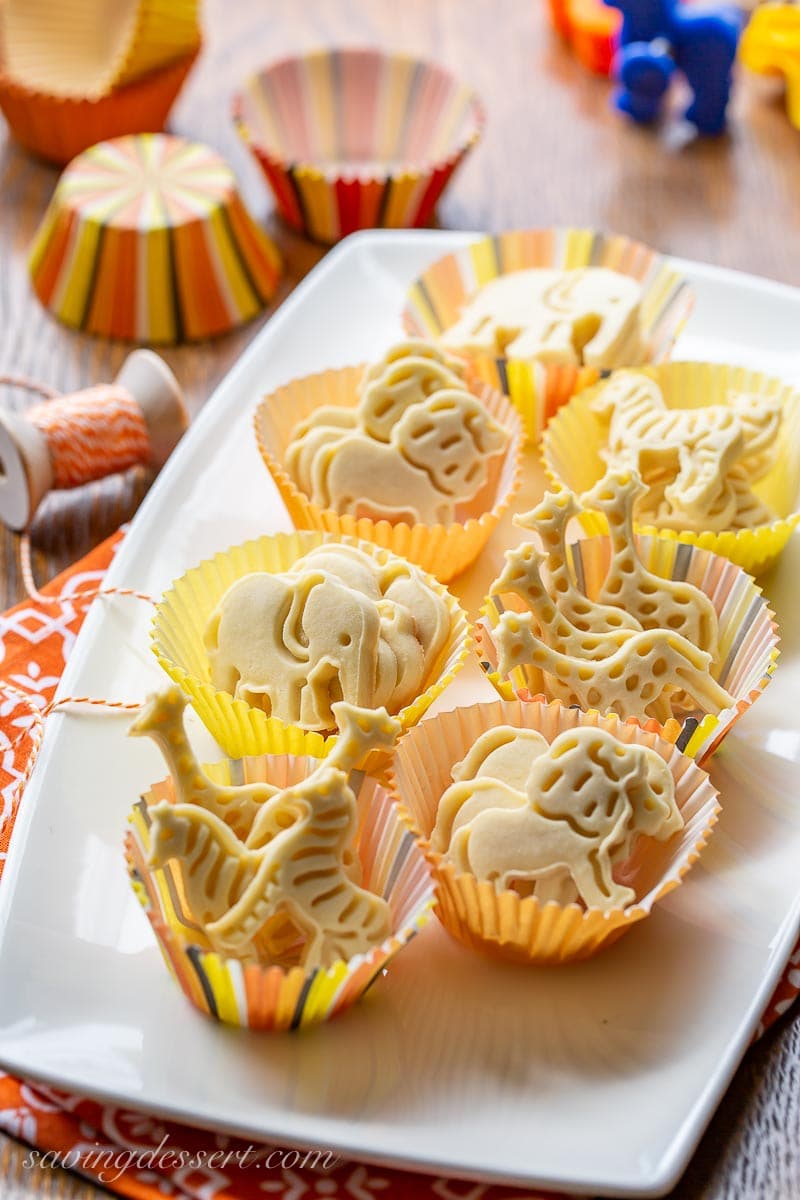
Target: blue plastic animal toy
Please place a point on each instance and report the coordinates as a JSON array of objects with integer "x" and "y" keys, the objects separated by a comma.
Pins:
[{"x": 660, "y": 37}]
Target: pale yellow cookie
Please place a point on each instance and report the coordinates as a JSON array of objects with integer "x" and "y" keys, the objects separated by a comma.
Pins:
[
  {"x": 585, "y": 801},
  {"x": 338, "y": 625},
  {"x": 417, "y": 446},
  {"x": 291, "y": 872},
  {"x": 587, "y": 316},
  {"x": 636, "y": 680},
  {"x": 655, "y": 602}
]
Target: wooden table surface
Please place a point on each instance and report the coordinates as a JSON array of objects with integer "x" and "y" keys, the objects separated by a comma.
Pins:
[{"x": 553, "y": 153}]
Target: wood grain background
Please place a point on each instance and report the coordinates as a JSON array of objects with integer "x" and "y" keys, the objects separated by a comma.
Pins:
[{"x": 553, "y": 153}]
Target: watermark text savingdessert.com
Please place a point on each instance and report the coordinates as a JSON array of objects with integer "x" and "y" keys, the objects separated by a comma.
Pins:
[{"x": 109, "y": 1163}]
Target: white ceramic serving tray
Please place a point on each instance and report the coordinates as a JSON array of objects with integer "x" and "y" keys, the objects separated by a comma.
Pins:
[{"x": 598, "y": 1077}]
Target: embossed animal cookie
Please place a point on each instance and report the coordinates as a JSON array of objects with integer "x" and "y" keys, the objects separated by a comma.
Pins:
[
  {"x": 689, "y": 454},
  {"x": 404, "y": 453},
  {"x": 570, "y": 829},
  {"x": 417, "y": 445},
  {"x": 641, "y": 627},
  {"x": 338, "y": 625},
  {"x": 585, "y": 316},
  {"x": 285, "y": 623},
  {"x": 276, "y": 900},
  {"x": 715, "y": 445},
  {"x": 585, "y": 800}
]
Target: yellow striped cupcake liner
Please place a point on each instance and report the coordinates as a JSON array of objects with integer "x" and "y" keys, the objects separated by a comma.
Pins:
[
  {"x": 504, "y": 924},
  {"x": 748, "y": 633},
  {"x": 275, "y": 997},
  {"x": 573, "y": 442},
  {"x": 85, "y": 48},
  {"x": 442, "y": 550},
  {"x": 435, "y": 300},
  {"x": 183, "y": 612}
]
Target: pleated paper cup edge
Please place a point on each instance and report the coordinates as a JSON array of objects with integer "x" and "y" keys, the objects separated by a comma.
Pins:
[
  {"x": 618, "y": 920},
  {"x": 452, "y": 657},
  {"x": 713, "y": 726},
  {"x": 470, "y": 536}
]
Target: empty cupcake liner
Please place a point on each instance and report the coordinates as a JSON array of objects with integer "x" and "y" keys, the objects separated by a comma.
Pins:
[
  {"x": 353, "y": 139},
  {"x": 177, "y": 641},
  {"x": 442, "y": 550},
  {"x": 503, "y": 923},
  {"x": 85, "y": 48},
  {"x": 573, "y": 442},
  {"x": 748, "y": 633},
  {"x": 435, "y": 300},
  {"x": 146, "y": 238},
  {"x": 58, "y": 128},
  {"x": 275, "y": 997}
]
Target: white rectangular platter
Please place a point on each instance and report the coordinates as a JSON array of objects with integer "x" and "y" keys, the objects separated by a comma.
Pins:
[{"x": 598, "y": 1077}]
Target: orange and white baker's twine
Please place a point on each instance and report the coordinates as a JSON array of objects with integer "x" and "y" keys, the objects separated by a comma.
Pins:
[{"x": 90, "y": 435}]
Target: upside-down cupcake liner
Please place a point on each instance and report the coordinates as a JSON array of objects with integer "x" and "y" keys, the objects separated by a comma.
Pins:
[
  {"x": 177, "y": 641},
  {"x": 146, "y": 238},
  {"x": 58, "y": 128},
  {"x": 503, "y": 922},
  {"x": 435, "y": 300},
  {"x": 573, "y": 442},
  {"x": 85, "y": 48},
  {"x": 748, "y": 633},
  {"x": 442, "y": 550},
  {"x": 353, "y": 139},
  {"x": 281, "y": 997}
]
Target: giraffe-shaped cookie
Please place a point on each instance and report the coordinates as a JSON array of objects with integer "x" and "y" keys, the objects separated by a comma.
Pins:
[
  {"x": 522, "y": 576},
  {"x": 636, "y": 681},
  {"x": 655, "y": 602},
  {"x": 296, "y": 858},
  {"x": 549, "y": 519}
]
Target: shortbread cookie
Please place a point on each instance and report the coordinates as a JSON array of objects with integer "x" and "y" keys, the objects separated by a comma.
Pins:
[{"x": 588, "y": 316}]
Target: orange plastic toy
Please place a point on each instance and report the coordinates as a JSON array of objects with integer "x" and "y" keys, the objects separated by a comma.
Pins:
[{"x": 590, "y": 28}]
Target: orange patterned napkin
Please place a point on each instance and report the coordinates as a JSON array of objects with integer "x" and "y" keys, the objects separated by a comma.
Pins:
[{"x": 135, "y": 1154}]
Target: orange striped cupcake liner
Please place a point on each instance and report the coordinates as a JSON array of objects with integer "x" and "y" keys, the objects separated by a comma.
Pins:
[
  {"x": 442, "y": 550},
  {"x": 146, "y": 238},
  {"x": 748, "y": 632},
  {"x": 435, "y": 300},
  {"x": 277, "y": 997},
  {"x": 502, "y": 923},
  {"x": 354, "y": 139}
]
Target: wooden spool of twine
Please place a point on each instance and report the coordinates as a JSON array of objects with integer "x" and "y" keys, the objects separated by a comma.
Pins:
[{"x": 67, "y": 441}]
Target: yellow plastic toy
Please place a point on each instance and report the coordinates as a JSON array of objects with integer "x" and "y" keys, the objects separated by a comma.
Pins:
[{"x": 770, "y": 45}]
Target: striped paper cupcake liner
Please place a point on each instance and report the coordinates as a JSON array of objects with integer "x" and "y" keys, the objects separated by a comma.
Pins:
[
  {"x": 442, "y": 550},
  {"x": 276, "y": 997},
  {"x": 147, "y": 239},
  {"x": 573, "y": 443},
  {"x": 503, "y": 923},
  {"x": 748, "y": 633},
  {"x": 183, "y": 612},
  {"x": 353, "y": 139},
  {"x": 58, "y": 128},
  {"x": 435, "y": 301},
  {"x": 83, "y": 49}
]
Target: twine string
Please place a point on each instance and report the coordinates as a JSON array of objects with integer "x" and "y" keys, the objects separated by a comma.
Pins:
[{"x": 90, "y": 435}]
